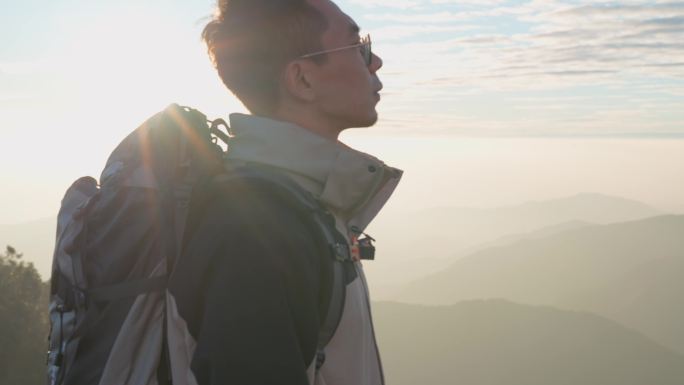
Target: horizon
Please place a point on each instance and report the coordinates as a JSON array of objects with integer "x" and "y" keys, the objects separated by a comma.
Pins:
[{"x": 663, "y": 211}]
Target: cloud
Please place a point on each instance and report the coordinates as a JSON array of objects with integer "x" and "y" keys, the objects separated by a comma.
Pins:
[
  {"x": 602, "y": 49},
  {"x": 401, "y": 4},
  {"x": 434, "y": 17},
  {"x": 439, "y": 17},
  {"x": 389, "y": 33},
  {"x": 624, "y": 11},
  {"x": 644, "y": 39},
  {"x": 469, "y": 2}
]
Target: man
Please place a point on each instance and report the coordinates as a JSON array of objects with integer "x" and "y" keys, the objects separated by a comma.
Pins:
[{"x": 305, "y": 74}]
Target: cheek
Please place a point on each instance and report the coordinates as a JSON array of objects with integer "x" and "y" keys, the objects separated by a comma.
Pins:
[
  {"x": 355, "y": 86},
  {"x": 346, "y": 86},
  {"x": 350, "y": 96},
  {"x": 349, "y": 71}
]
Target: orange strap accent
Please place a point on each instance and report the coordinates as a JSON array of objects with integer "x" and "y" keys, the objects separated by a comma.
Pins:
[{"x": 355, "y": 251}]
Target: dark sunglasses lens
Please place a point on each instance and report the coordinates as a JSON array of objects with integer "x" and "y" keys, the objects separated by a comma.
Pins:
[{"x": 367, "y": 54}]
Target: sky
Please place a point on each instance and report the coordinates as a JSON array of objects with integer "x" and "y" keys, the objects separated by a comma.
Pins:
[{"x": 494, "y": 102}]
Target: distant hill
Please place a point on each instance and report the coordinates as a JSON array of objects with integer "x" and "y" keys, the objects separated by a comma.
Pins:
[
  {"x": 538, "y": 234},
  {"x": 467, "y": 227},
  {"x": 434, "y": 236},
  {"x": 647, "y": 298},
  {"x": 35, "y": 239},
  {"x": 385, "y": 284},
  {"x": 501, "y": 343},
  {"x": 630, "y": 272}
]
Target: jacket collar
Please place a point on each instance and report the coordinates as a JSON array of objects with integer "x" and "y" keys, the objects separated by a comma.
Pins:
[{"x": 351, "y": 183}]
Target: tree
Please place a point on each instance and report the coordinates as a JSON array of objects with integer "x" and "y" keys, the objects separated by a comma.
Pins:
[{"x": 23, "y": 321}]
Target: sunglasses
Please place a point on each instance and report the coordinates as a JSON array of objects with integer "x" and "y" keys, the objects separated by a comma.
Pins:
[{"x": 364, "y": 46}]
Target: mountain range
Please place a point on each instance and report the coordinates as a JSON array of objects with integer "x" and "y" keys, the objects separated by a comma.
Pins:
[
  {"x": 411, "y": 244},
  {"x": 495, "y": 342},
  {"x": 629, "y": 272}
]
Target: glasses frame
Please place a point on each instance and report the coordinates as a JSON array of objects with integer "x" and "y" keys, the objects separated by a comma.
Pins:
[{"x": 365, "y": 42}]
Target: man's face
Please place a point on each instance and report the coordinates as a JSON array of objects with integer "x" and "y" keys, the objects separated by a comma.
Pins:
[{"x": 346, "y": 87}]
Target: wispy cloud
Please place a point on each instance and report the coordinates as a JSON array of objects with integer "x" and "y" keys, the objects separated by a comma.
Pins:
[
  {"x": 426, "y": 17},
  {"x": 394, "y": 32},
  {"x": 401, "y": 4},
  {"x": 498, "y": 49}
]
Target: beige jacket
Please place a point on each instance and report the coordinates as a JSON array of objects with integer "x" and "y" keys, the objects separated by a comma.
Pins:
[{"x": 354, "y": 186}]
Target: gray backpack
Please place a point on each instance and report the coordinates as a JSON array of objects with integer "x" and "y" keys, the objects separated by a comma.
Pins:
[{"x": 117, "y": 244}]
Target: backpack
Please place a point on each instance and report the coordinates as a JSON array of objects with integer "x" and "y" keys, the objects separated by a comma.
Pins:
[{"x": 118, "y": 241}]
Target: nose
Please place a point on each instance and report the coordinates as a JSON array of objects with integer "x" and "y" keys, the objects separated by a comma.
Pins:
[{"x": 376, "y": 63}]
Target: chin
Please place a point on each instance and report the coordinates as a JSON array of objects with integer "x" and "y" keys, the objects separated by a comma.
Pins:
[
  {"x": 370, "y": 119},
  {"x": 373, "y": 120},
  {"x": 358, "y": 120}
]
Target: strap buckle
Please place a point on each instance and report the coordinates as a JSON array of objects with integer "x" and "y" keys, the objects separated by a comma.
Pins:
[
  {"x": 320, "y": 358},
  {"x": 341, "y": 252}
]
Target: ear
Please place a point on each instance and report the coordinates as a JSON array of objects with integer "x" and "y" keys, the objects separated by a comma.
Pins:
[{"x": 297, "y": 80}]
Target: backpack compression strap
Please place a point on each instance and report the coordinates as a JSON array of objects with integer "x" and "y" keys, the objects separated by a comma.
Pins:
[{"x": 127, "y": 289}]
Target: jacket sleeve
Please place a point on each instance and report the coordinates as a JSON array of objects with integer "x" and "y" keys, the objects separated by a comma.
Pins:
[{"x": 256, "y": 306}]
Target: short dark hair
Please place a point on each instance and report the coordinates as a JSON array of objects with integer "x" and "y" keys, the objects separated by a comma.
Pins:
[{"x": 251, "y": 41}]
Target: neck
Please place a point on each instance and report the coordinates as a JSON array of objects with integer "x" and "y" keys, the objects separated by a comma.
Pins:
[{"x": 308, "y": 120}]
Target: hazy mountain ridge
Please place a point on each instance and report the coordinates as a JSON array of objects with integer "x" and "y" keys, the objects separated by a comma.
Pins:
[
  {"x": 589, "y": 254},
  {"x": 463, "y": 223},
  {"x": 541, "y": 233},
  {"x": 497, "y": 342},
  {"x": 595, "y": 268},
  {"x": 407, "y": 271},
  {"x": 645, "y": 298},
  {"x": 413, "y": 244}
]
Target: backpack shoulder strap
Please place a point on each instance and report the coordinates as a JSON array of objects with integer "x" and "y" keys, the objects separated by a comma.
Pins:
[{"x": 336, "y": 246}]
